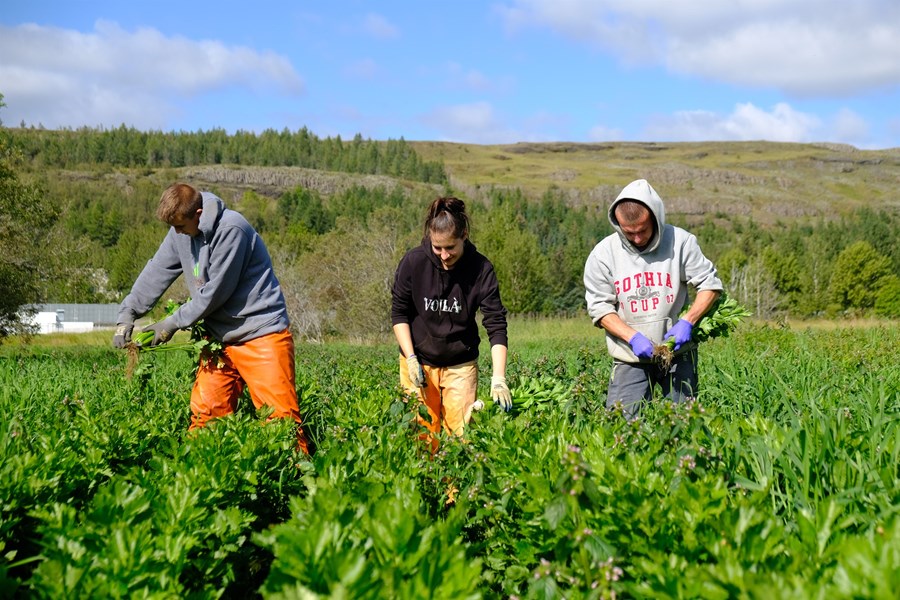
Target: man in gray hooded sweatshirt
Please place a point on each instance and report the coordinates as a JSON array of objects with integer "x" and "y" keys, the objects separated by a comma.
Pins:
[
  {"x": 636, "y": 283},
  {"x": 233, "y": 288}
]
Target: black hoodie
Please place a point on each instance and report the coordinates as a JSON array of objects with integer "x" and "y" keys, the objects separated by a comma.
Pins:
[{"x": 439, "y": 305}]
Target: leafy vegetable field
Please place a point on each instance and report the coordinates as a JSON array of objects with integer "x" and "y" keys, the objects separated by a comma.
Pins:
[{"x": 782, "y": 482}]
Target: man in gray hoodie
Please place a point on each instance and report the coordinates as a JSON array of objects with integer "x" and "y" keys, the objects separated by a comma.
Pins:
[
  {"x": 636, "y": 283},
  {"x": 233, "y": 289}
]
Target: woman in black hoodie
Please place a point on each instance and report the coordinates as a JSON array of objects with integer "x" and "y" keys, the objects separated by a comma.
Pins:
[{"x": 437, "y": 290}]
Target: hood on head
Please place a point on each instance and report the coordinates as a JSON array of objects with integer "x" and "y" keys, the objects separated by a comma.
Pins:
[
  {"x": 644, "y": 193},
  {"x": 213, "y": 207}
]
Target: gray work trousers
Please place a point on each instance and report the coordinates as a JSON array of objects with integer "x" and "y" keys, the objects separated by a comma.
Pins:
[{"x": 631, "y": 384}]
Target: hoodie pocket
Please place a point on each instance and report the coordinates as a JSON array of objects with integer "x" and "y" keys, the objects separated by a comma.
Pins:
[
  {"x": 654, "y": 330},
  {"x": 442, "y": 351}
]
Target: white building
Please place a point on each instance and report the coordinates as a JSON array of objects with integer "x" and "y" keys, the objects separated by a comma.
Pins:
[
  {"x": 47, "y": 322},
  {"x": 51, "y": 318}
]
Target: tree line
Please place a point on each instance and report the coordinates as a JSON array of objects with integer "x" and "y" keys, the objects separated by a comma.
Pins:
[
  {"x": 129, "y": 147},
  {"x": 85, "y": 239}
]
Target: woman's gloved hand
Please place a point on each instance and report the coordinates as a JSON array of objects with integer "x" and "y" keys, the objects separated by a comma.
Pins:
[
  {"x": 500, "y": 392},
  {"x": 416, "y": 374}
]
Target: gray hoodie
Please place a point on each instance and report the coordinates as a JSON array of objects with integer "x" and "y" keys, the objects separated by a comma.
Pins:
[
  {"x": 228, "y": 273},
  {"x": 648, "y": 288}
]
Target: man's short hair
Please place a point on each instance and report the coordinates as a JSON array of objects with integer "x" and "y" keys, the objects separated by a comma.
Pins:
[
  {"x": 179, "y": 201},
  {"x": 630, "y": 211}
]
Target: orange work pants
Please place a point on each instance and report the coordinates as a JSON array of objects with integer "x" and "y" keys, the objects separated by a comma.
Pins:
[
  {"x": 265, "y": 365},
  {"x": 448, "y": 395}
]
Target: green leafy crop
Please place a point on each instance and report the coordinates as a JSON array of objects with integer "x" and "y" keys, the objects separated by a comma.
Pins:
[
  {"x": 719, "y": 321},
  {"x": 199, "y": 341},
  {"x": 200, "y": 344},
  {"x": 723, "y": 318}
]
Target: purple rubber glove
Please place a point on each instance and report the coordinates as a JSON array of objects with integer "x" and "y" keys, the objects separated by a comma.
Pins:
[
  {"x": 641, "y": 346},
  {"x": 680, "y": 332}
]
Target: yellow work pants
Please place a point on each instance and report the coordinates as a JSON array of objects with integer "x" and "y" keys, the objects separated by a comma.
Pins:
[{"x": 448, "y": 395}]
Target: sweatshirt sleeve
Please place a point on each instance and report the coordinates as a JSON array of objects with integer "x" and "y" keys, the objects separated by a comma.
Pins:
[
  {"x": 401, "y": 293},
  {"x": 699, "y": 271},
  {"x": 492, "y": 310},
  {"x": 156, "y": 277},
  {"x": 227, "y": 261},
  {"x": 600, "y": 291}
]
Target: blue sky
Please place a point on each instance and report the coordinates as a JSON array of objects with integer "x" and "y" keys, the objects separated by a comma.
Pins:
[{"x": 490, "y": 72}]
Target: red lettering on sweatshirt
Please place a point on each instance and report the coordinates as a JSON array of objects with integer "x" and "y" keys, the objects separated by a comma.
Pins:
[
  {"x": 649, "y": 278},
  {"x": 644, "y": 305}
]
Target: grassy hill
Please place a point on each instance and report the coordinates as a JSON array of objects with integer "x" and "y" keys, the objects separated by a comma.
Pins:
[{"x": 768, "y": 182}]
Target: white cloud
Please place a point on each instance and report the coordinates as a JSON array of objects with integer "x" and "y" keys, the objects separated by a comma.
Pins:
[
  {"x": 798, "y": 46},
  {"x": 746, "y": 122},
  {"x": 460, "y": 77},
  {"x": 849, "y": 127},
  {"x": 475, "y": 123},
  {"x": 601, "y": 133},
  {"x": 366, "y": 68},
  {"x": 476, "y": 80},
  {"x": 63, "y": 78},
  {"x": 477, "y": 115},
  {"x": 603, "y": 24},
  {"x": 893, "y": 129},
  {"x": 379, "y": 27},
  {"x": 480, "y": 123}
]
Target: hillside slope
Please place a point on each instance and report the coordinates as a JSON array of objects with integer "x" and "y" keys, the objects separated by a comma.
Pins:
[{"x": 765, "y": 181}]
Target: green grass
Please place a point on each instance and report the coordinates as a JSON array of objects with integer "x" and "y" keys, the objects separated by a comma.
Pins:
[
  {"x": 533, "y": 333},
  {"x": 91, "y": 339}
]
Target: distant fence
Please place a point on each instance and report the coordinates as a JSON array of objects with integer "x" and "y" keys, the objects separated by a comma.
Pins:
[{"x": 101, "y": 315}]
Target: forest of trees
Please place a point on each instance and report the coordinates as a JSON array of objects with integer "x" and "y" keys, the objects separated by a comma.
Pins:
[
  {"x": 85, "y": 238},
  {"x": 128, "y": 147}
]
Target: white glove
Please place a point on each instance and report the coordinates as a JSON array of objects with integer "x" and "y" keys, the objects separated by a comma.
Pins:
[
  {"x": 416, "y": 374},
  {"x": 500, "y": 392}
]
